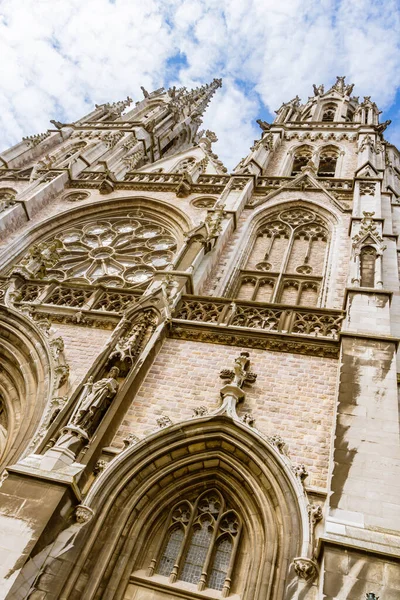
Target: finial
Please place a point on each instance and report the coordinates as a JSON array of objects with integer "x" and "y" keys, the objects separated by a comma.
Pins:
[{"x": 240, "y": 374}]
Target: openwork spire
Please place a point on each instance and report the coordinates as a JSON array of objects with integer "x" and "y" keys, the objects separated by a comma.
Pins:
[{"x": 193, "y": 102}]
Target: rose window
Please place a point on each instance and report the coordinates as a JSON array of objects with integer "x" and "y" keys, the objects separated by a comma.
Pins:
[{"x": 118, "y": 251}]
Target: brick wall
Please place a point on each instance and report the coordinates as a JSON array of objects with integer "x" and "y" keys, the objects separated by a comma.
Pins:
[
  {"x": 82, "y": 346},
  {"x": 293, "y": 396}
]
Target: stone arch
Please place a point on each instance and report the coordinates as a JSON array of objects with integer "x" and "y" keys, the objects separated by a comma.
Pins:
[
  {"x": 150, "y": 476},
  {"x": 26, "y": 382},
  {"x": 297, "y": 157},
  {"x": 328, "y": 160},
  {"x": 240, "y": 261},
  {"x": 48, "y": 228}
]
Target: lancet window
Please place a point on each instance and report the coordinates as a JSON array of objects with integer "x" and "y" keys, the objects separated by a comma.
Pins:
[
  {"x": 327, "y": 162},
  {"x": 200, "y": 543},
  {"x": 367, "y": 266},
  {"x": 286, "y": 261},
  {"x": 300, "y": 159},
  {"x": 119, "y": 251}
]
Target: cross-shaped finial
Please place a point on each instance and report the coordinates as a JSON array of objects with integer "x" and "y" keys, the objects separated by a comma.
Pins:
[{"x": 240, "y": 374}]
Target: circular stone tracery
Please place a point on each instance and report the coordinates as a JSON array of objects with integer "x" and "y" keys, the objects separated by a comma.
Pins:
[{"x": 117, "y": 251}]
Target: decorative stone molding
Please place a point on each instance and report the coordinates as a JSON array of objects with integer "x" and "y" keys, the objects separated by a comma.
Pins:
[
  {"x": 83, "y": 514},
  {"x": 35, "y": 140},
  {"x": 261, "y": 340},
  {"x": 305, "y": 568}
]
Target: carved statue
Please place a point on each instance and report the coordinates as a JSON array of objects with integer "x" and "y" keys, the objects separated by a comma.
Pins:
[
  {"x": 318, "y": 90},
  {"x": 95, "y": 399},
  {"x": 145, "y": 92}
]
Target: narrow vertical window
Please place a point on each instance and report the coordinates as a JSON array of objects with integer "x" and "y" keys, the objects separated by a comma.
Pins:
[
  {"x": 197, "y": 552},
  {"x": 221, "y": 563},
  {"x": 171, "y": 552},
  {"x": 368, "y": 259}
]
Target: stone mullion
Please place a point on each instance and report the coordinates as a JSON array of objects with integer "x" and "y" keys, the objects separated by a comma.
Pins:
[
  {"x": 283, "y": 268},
  {"x": 228, "y": 578},
  {"x": 204, "y": 575},
  {"x": 184, "y": 547}
]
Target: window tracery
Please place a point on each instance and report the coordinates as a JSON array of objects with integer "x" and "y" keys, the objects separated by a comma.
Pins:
[
  {"x": 291, "y": 247},
  {"x": 329, "y": 113},
  {"x": 327, "y": 162},
  {"x": 300, "y": 159},
  {"x": 119, "y": 251},
  {"x": 200, "y": 543},
  {"x": 185, "y": 165}
]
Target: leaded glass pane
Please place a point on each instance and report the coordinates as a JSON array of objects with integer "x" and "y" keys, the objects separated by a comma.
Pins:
[
  {"x": 220, "y": 564},
  {"x": 197, "y": 553},
  {"x": 171, "y": 552}
]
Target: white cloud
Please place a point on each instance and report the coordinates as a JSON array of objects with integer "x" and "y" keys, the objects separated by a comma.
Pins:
[{"x": 59, "y": 57}]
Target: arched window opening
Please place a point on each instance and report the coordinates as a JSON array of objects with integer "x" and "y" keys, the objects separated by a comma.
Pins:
[
  {"x": 200, "y": 544},
  {"x": 301, "y": 158},
  {"x": 327, "y": 162},
  {"x": 291, "y": 246},
  {"x": 350, "y": 115},
  {"x": 329, "y": 113},
  {"x": 367, "y": 266},
  {"x": 171, "y": 551}
]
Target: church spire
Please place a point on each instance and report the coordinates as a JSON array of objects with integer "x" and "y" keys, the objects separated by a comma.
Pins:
[{"x": 192, "y": 103}]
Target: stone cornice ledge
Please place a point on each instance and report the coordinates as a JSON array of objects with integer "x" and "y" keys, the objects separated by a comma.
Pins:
[
  {"x": 253, "y": 338},
  {"x": 380, "y": 547}
]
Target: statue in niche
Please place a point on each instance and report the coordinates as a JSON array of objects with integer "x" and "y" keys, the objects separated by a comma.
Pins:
[{"x": 95, "y": 400}]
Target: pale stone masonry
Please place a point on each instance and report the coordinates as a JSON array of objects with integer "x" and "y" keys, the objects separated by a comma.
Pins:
[{"x": 198, "y": 382}]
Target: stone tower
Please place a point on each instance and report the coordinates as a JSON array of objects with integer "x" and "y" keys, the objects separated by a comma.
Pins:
[{"x": 198, "y": 375}]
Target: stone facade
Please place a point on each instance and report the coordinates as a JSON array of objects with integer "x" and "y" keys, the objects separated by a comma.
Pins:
[{"x": 199, "y": 374}]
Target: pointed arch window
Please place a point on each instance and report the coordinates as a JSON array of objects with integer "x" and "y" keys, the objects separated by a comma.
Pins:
[
  {"x": 286, "y": 261},
  {"x": 329, "y": 113},
  {"x": 300, "y": 159},
  {"x": 327, "y": 162},
  {"x": 200, "y": 543}
]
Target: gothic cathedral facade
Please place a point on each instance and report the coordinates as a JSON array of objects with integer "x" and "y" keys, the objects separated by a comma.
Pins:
[{"x": 198, "y": 377}]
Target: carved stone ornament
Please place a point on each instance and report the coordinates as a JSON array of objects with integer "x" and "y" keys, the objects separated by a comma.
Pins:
[
  {"x": 35, "y": 140},
  {"x": 76, "y": 196},
  {"x": 83, "y": 514},
  {"x": 200, "y": 411},
  {"x": 280, "y": 444},
  {"x": 367, "y": 188},
  {"x": 248, "y": 419},
  {"x": 164, "y": 421},
  {"x": 305, "y": 568},
  {"x": 100, "y": 466},
  {"x": 301, "y": 473},
  {"x": 129, "y": 440}
]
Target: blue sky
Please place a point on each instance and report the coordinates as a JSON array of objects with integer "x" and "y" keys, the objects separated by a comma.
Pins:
[{"x": 60, "y": 57}]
